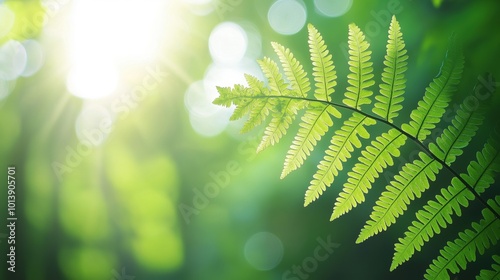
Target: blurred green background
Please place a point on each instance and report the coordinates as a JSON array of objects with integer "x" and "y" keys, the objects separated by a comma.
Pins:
[{"x": 125, "y": 170}]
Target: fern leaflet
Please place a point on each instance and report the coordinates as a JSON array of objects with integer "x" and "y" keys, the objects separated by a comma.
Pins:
[
  {"x": 342, "y": 144},
  {"x": 323, "y": 68},
  {"x": 411, "y": 182},
  {"x": 283, "y": 115},
  {"x": 375, "y": 158},
  {"x": 294, "y": 71},
  {"x": 315, "y": 123},
  {"x": 393, "y": 83},
  {"x": 458, "y": 135},
  {"x": 437, "y": 97},
  {"x": 361, "y": 76}
]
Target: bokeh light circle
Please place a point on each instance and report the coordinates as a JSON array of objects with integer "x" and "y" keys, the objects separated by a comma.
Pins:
[
  {"x": 287, "y": 17},
  {"x": 198, "y": 101},
  {"x": 206, "y": 118},
  {"x": 264, "y": 251},
  {"x": 211, "y": 125},
  {"x": 333, "y": 8},
  {"x": 228, "y": 43},
  {"x": 12, "y": 60},
  {"x": 35, "y": 57}
]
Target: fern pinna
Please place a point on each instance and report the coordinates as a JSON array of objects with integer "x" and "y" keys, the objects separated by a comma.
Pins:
[{"x": 289, "y": 91}]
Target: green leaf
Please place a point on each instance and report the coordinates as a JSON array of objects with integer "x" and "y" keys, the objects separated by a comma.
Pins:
[
  {"x": 411, "y": 182},
  {"x": 323, "y": 68},
  {"x": 494, "y": 273},
  {"x": 315, "y": 123},
  {"x": 342, "y": 144},
  {"x": 393, "y": 83},
  {"x": 294, "y": 71},
  {"x": 284, "y": 114},
  {"x": 373, "y": 160},
  {"x": 277, "y": 84},
  {"x": 437, "y": 96},
  {"x": 457, "y": 135},
  {"x": 455, "y": 255},
  {"x": 360, "y": 66},
  {"x": 286, "y": 93}
]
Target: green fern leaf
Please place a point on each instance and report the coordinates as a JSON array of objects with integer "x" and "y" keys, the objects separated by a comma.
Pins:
[
  {"x": 361, "y": 76},
  {"x": 494, "y": 273},
  {"x": 393, "y": 83},
  {"x": 284, "y": 110},
  {"x": 287, "y": 92},
  {"x": 276, "y": 82},
  {"x": 411, "y": 182},
  {"x": 240, "y": 95},
  {"x": 455, "y": 255},
  {"x": 342, "y": 144},
  {"x": 481, "y": 173},
  {"x": 243, "y": 97},
  {"x": 258, "y": 101},
  {"x": 323, "y": 67},
  {"x": 261, "y": 108},
  {"x": 437, "y": 97},
  {"x": 315, "y": 123},
  {"x": 294, "y": 71},
  {"x": 457, "y": 135},
  {"x": 284, "y": 114},
  {"x": 253, "y": 100},
  {"x": 375, "y": 158}
]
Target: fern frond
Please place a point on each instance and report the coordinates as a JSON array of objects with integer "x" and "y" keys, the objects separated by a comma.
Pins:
[
  {"x": 494, "y": 273},
  {"x": 373, "y": 160},
  {"x": 323, "y": 68},
  {"x": 286, "y": 93},
  {"x": 294, "y": 71},
  {"x": 283, "y": 115},
  {"x": 437, "y": 96},
  {"x": 393, "y": 83},
  {"x": 315, "y": 123},
  {"x": 455, "y": 255},
  {"x": 457, "y": 135},
  {"x": 361, "y": 76},
  {"x": 342, "y": 144},
  {"x": 409, "y": 184}
]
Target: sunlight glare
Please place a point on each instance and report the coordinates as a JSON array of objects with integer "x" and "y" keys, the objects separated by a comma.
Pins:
[
  {"x": 92, "y": 81},
  {"x": 228, "y": 43},
  {"x": 108, "y": 34}
]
